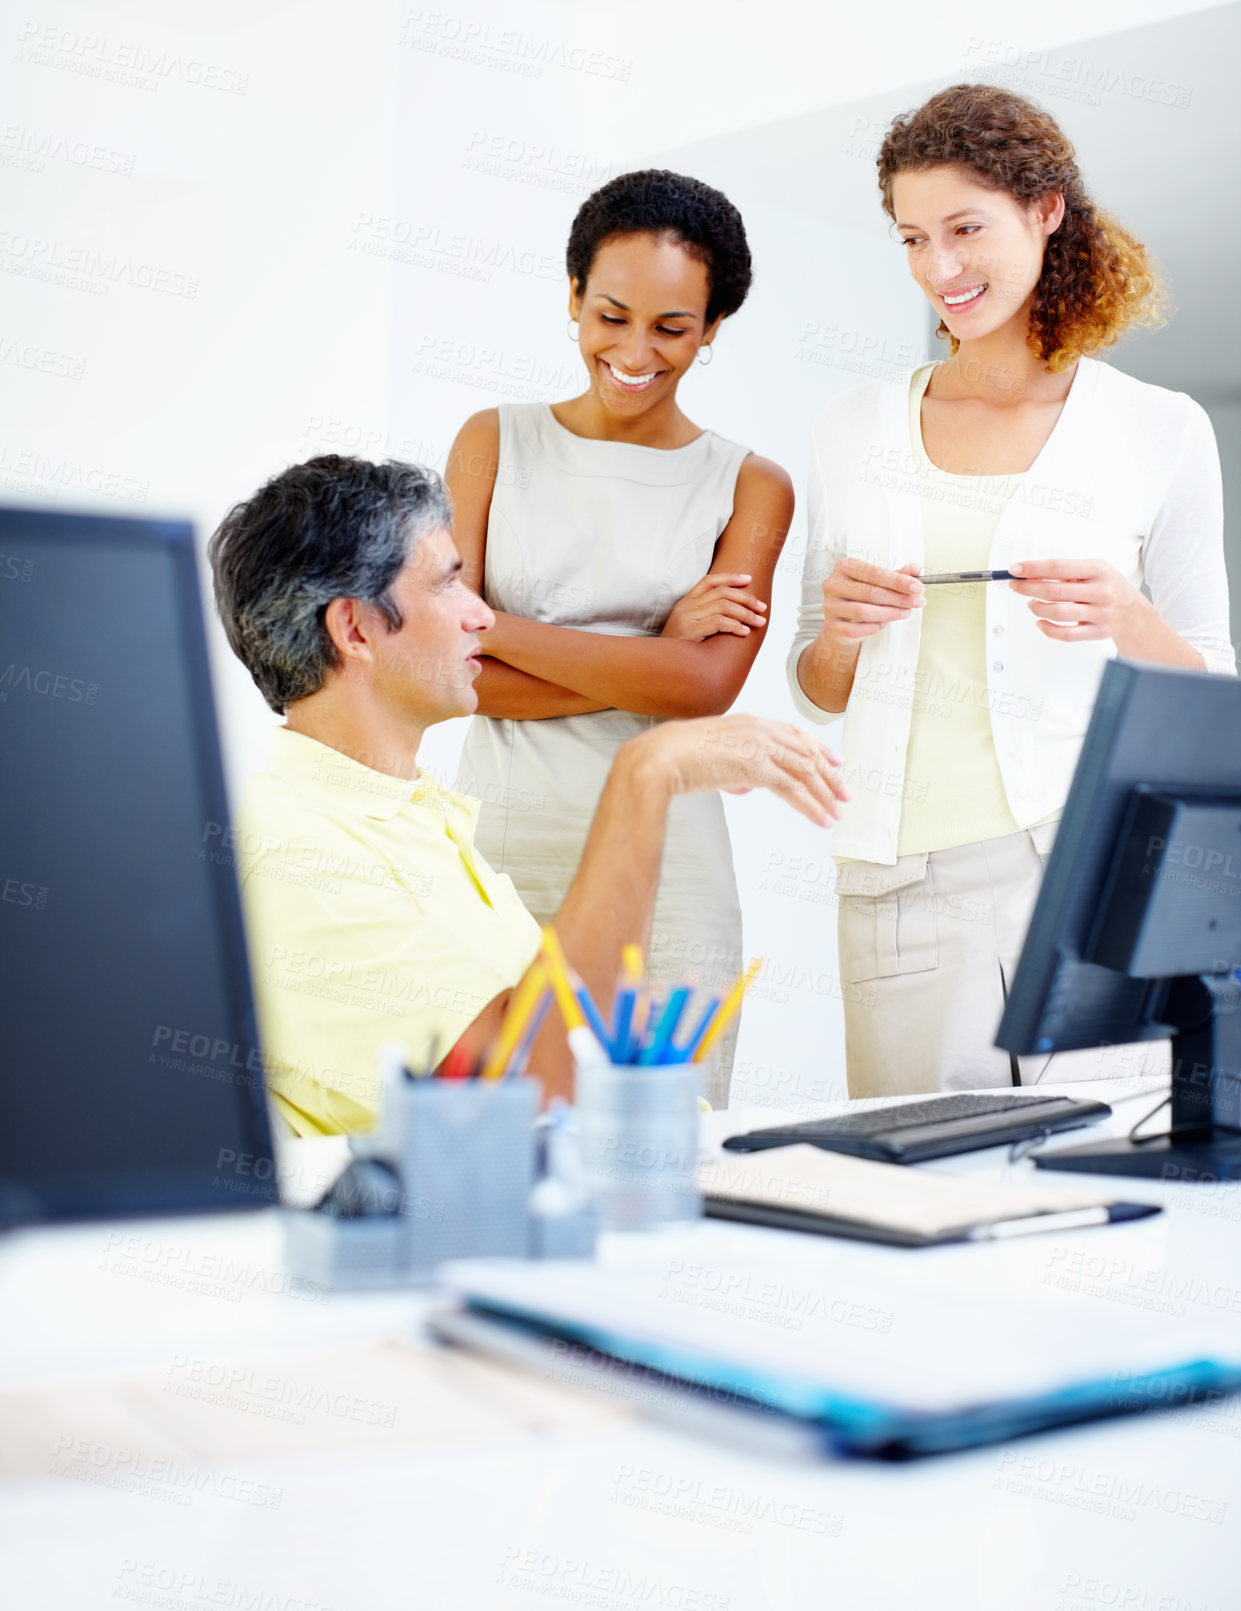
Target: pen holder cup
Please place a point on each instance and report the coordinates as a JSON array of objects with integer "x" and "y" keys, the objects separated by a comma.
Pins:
[{"x": 637, "y": 1131}]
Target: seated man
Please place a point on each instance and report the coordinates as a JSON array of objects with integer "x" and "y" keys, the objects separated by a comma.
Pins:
[{"x": 371, "y": 917}]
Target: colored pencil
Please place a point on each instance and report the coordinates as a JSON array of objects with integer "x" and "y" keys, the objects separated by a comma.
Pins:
[
  {"x": 456, "y": 1066},
  {"x": 643, "y": 1008},
  {"x": 517, "y": 1063},
  {"x": 728, "y": 1010},
  {"x": 704, "y": 1023},
  {"x": 633, "y": 968},
  {"x": 660, "y": 1043},
  {"x": 593, "y": 1016},
  {"x": 558, "y": 973},
  {"x": 622, "y": 1017},
  {"x": 521, "y": 1008}
]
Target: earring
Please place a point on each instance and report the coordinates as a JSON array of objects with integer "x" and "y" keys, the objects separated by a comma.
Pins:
[
  {"x": 710, "y": 352},
  {"x": 572, "y": 331}
]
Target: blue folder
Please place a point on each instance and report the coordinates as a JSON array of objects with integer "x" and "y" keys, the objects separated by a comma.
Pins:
[{"x": 578, "y": 1323}]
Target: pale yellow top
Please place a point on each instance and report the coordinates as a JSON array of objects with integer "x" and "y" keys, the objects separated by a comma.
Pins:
[
  {"x": 370, "y": 917},
  {"x": 954, "y": 794}
]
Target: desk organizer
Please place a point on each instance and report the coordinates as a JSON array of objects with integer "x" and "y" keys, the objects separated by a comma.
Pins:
[
  {"x": 348, "y": 1255},
  {"x": 460, "y": 1166}
]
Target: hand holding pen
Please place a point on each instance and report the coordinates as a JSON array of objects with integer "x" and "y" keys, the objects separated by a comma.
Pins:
[
  {"x": 860, "y": 599},
  {"x": 1078, "y": 599}
]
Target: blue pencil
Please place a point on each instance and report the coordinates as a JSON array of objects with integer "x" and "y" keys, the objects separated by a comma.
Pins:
[
  {"x": 656, "y": 1051},
  {"x": 704, "y": 1023},
  {"x": 622, "y": 1017},
  {"x": 521, "y": 1056},
  {"x": 593, "y": 1016},
  {"x": 643, "y": 1008}
]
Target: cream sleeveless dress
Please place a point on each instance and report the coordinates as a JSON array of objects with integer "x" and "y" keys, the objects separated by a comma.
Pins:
[{"x": 605, "y": 537}]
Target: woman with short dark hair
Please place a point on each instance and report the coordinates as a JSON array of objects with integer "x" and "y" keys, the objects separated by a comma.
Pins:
[
  {"x": 966, "y": 702},
  {"x": 628, "y": 555}
]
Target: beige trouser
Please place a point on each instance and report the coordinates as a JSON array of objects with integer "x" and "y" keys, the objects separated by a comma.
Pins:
[{"x": 927, "y": 948}]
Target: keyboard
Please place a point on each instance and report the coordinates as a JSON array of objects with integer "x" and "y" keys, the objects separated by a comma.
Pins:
[{"x": 937, "y": 1127}]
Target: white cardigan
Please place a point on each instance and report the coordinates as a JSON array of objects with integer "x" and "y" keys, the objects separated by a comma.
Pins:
[{"x": 1130, "y": 474}]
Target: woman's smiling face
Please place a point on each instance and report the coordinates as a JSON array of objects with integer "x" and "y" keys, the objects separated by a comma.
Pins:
[
  {"x": 642, "y": 316},
  {"x": 976, "y": 253}
]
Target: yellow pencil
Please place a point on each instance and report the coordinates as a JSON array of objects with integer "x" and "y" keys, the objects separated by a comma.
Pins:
[
  {"x": 521, "y": 1008},
  {"x": 632, "y": 966},
  {"x": 558, "y": 975},
  {"x": 728, "y": 1009}
]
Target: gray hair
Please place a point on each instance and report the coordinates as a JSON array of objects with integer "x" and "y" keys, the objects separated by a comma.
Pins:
[{"x": 331, "y": 528}]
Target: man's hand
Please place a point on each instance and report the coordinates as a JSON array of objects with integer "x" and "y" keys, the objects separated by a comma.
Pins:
[
  {"x": 860, "y": 599},
  {"x": 719, "y": 603},
  {"x": 611, "y": 899},
  {"x": 736, "y": 754}
]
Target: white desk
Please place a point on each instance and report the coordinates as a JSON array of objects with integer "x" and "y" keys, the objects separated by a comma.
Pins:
[{"x": 430, "y": 1480}]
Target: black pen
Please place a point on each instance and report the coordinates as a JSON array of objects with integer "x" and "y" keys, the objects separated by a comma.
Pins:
[{"x": 967, "y": 576}]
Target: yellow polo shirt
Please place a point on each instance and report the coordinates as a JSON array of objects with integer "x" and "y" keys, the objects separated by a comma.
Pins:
[{"x": 370, "y": 917}]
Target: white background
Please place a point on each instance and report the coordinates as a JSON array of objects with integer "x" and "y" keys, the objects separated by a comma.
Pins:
[{"x": 237, "y": 234}]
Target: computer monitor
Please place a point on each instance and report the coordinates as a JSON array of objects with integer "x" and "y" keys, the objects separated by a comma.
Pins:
[
  {"x": 132, "y": 1080},
  {"x": 1136, "y": 934}
]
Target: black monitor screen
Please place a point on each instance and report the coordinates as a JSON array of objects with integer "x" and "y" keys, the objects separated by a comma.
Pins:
[
  {"x": 131, "y": 1080},
  {"x": 1152, "y": 726}
]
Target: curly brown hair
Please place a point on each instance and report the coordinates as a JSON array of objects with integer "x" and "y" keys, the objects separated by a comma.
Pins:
[{"x": 1097, "y": 279}]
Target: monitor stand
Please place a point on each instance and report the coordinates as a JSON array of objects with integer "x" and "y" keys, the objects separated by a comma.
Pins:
[
  {"x": 1203, "y": 1143},
  {"x": 1185, "y": 1159}
]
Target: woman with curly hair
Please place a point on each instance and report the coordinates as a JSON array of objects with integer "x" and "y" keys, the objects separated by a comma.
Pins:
[
  {"x": 965, "y": 703},
  {"x": 628, "y": 555}
]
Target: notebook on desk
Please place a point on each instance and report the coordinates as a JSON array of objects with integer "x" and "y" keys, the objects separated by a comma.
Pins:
[{"x": 803, "y": 1188}]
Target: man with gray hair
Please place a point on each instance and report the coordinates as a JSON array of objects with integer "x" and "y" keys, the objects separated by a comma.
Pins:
[{"x": 371, "y": 917}]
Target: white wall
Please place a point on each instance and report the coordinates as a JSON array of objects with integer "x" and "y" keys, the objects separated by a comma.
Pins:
[{"x": 233, "y": 236}]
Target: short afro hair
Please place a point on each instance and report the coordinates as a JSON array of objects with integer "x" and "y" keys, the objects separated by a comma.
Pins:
[{"x": 656, "y": 202}]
